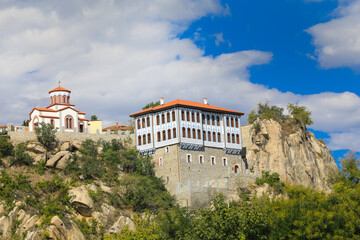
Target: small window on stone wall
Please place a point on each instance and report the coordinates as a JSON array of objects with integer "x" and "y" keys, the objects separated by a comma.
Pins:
[
  {"x": 188, "y": 158},
  {"x": 160, "y": 161},
  {"x": 201, "y": 159},
  {"x": 167, "y": 149},
  {"x": 213, "y": 161},
  {"x": 224, "y": 161}
]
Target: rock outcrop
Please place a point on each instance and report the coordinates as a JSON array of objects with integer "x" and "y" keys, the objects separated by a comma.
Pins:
[
  {"x": 291, "y": 151},
  {"x": 81, "y": 201}
]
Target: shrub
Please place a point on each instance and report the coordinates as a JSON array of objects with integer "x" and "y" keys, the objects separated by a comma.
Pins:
[
  {"x": 6, "y": 148},
  {"x": 265, "y": 111},
  {"x": 46, "y": 135},
  {"x": 300, "y": 113},
  {"x": 21, "y": 157},
  {"x": 256, "y": 127},
  {"x": 273, "y": 179}
]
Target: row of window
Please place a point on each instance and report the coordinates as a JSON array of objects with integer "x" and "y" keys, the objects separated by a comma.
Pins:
[
  {"x": 190, "y": 117},
  {"x": 208, "y": 136},
  {"x": 60, "y": 99},
  {"x": 201, "y": 160}
]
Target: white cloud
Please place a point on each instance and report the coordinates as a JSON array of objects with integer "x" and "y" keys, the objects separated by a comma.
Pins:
[
  {"x": 116, "y": 56},
  {"x": 337, "y": 42}
]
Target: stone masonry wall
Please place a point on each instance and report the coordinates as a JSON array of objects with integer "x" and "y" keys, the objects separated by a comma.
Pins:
[{"x": 18, "y": 137}]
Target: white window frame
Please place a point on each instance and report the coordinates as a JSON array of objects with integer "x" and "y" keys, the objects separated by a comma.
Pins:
[
  {"x": 224, "y": 161},
  {"x": 167, "y": 149},
  {"x": 188, "y": 158},
  {"x": 211, "y": 160},
  {"x": 160, "y": 161},
  {"x": 201, "y": 159}
]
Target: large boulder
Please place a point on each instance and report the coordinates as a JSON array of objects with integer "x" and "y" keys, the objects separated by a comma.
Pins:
[
  {"x": 76, "y": 144},
  {"x": 53, "y": 161},
  {"x": 121, "y": 223},
  {"x": 74, "y": 232},
  {"x": 57, "y": 229},
  {"x": 81, "y": 201},
  {"x": 66, "y": 146},
  {"x": 36, "y": 147}
]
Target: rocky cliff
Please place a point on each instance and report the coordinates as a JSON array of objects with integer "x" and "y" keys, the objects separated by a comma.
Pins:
[{"x": 291, "y": 151}]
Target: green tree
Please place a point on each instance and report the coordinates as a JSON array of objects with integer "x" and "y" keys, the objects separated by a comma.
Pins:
[
  {"x": 152, "y": 104},
  {"x": 300, "y": 114},
  {"x": 25, "y": 123},
  {"x": 94, "y": 118},
  {"x": 266, "y": 111},
  {"x": 350, "y": 168},
  {"x": 6, "y": 147},
  {"x": 46, "y": 135}
]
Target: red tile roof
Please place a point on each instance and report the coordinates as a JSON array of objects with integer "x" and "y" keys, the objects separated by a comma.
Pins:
[
  {"x": 188, "y": 104},
  {"x": 43, "y": 110},
  {"x": 2, "y": 126},
  {"x": 117, "y": 127},
  {"x": 83, "y": 119},
  {"x": 60, "y": 89},
  {"x": 44, "y": 116}
]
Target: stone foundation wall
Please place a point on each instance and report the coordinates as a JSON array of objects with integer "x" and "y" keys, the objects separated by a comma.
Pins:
[{"x": 18, "y": 137}]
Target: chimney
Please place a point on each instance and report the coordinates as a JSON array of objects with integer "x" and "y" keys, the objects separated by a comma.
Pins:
[
  {"x": 117, "y": 124},
  {"x": 205, "y": 101},
  {"x": 162, "y": 100}
]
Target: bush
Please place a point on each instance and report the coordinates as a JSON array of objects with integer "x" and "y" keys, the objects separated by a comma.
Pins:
[
  {"x": 273, "y": 179},
  {"x": 21, "y": 157},
  {"x": 6, "y": 147},
  {"x": 265, "y": 111},
  {"x": 300, "y": 114},
  {"x": 46, "y": 135},
  {"x": 256, "y": 127}
]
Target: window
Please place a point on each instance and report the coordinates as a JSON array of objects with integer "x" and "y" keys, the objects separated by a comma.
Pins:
[
  {"x": 138, "y": 124},
  {"x": 163, "y": 135},
  {"x": 214, "y": 137},
  {"x": 174, "y": 132},
  {"x": 188, "y": 158},
  {"x": 227, "y": 121},
  {"x": 187, "y": 116},
  {"x": 203, "y": 119},
  {"x": 169, "y": 133},
  {"x": 183, "y": 132},
  {"x": 198, "y": 117},
  {"x": 233, "y": 138},
  {"x": 236, "y": 122},
  {"x": 148, "y": 121},
  {"x": 52, "y": 123},
  {"x": 199, "y": 134},
  {"x": 213, "y": 120},
  {"x": 224, "y": 162},
  {"x": 201, "y": 159},
  {"x": 189, "y": 133},
  {"x": 228, "y": 138},
  {"x": 167, "y": 150},
  {"x": 160, "y": 161},
  {"x": 69, "y": 122},
  {"x": 193, "y": 117},
  {"x": 237, "y": 138},
  {"x": 209, "y": 136},
  {"x": 194, "y": 133},
  {"x": 68, "y": 99},
  {"x": 168, "y": 117},
  {"x": 139, "y": 140},
  {"x": 143, "y": 123},
  {"x": 208, "y": 119},
  {"x": 64, "y": 99},
  {"x": 219, "y": 137},
  {"x": 144, "y": 139},
  {"x": 162, "y": 118},
  {"x": 204, "y": 135},
  {"x": 182, "y": 115},
  {"x": 158, "y": 137},
  {"x": 173, "y": 116},
  {"x": 213, "y": 161},
  {"x": 157, "y": 120},
  {"x": 149, "y": 138},
  {"x": 232, "y": 122},
  {"x": 218, "y": 121}
]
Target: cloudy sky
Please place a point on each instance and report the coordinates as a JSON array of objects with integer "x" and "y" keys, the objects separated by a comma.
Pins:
[{"x": 118, "y": 55}]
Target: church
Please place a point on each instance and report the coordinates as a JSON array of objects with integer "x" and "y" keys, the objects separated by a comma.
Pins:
[{"x": 60, "y": 114}]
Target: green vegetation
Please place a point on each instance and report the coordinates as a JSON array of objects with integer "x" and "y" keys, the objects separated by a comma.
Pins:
[
  {"x": 20, "y": 156},
  {"x": 46, "y": 135},
  {"x": 300, "y": 114},
  {"x": 273, "y": 179},
  {"x": 150, "y": 105},
  {"x": 94, "y": 118},
  {"x": 265, "y": 111},
  {"x": 6, "y": 148}
]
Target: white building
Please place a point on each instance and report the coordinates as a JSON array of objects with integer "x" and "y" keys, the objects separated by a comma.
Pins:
[
  {"x": 190, "y": 124},
  {"x": 60, "y": 114}
]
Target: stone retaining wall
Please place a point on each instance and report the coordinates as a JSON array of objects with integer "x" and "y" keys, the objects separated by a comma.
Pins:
[{"x": 18, "y": 137}]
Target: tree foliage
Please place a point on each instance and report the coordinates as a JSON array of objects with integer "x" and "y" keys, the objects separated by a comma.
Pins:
[
  {"x": 6, "y": 147},
  {"x": 151, "y": 104},
  {"x": 46, "y": 135},
  {"x": 266, "y": 111},
  {"x": 300, "y": 114},
  {"x": 20, "y": 156},
  {"x": 94, "y": 118}
]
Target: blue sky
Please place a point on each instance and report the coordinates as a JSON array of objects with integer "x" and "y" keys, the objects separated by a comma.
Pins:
[{"x": 116, "y": 56}]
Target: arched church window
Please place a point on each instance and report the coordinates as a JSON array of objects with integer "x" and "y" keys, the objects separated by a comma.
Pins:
[
  {"x": 64, "y": 99},
  {"x": 69, "y": 122}
]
